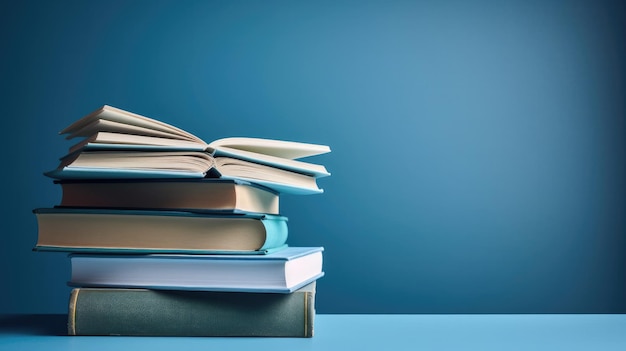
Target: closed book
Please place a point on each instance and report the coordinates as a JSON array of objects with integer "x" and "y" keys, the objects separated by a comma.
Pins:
[
  {"x": 283, "y": 271},
  {"x": 171, "y": 194},
  {"x": 141, "y": 312},
  {"x": 104, "y": 230}
]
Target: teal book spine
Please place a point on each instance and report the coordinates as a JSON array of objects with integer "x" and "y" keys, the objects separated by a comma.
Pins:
[{"x": 142, "y": 312}]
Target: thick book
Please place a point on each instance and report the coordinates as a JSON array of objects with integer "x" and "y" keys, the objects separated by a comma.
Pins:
[
  {"x": 142, "y": 312},
  {"x": 170, "y": 194},
  {"x": 282, "y": 271},
  {"x": 121, "y": 144},
  {"x": 158, "y": 231}
]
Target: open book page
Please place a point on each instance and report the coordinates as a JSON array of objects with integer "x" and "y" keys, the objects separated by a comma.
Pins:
[
  {"x": 127, "y": 124},
  {"x": 125, "y": 121},
  {"x": 310, "y": 169},
  {"x": 169, "y": 160},
  {"x": 103, "y": 125},
  {"x": 112, "y": 141},
  {"x": 119, "y": 144},
  {"x": 277, "y": 148},
  {"x": 279, "y": 180}
]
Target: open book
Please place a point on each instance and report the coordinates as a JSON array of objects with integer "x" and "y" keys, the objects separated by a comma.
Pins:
[{"x": 119, "y": 144}]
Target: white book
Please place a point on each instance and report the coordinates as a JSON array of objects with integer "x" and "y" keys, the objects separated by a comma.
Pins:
[{"x": 283, "y": 271}]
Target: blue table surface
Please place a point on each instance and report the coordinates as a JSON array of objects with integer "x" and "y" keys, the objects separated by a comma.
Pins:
[{"x": 355, "y": 332}]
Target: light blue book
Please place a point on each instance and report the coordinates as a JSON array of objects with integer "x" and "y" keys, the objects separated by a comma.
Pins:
[{"x": 283, "y": 271}]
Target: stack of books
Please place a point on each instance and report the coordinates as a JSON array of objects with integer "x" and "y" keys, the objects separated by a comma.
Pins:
[{"x": 171, "y": 236}]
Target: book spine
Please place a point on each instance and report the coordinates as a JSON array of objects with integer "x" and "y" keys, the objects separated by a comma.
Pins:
[{"x": 140, "y": 312}]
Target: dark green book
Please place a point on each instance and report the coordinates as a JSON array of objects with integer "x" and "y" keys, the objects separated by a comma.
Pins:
[{"x": 99, "y": 311}]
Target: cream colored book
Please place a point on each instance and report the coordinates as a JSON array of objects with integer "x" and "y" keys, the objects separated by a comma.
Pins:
[{"x": 158, "y": 231}]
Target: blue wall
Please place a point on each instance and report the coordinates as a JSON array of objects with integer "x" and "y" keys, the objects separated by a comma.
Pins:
[{"x": 478, "y": 146}]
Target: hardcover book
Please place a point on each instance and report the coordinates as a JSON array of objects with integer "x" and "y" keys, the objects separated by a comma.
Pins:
[
  {"x": 121, "y": 144},
  {"x": 283, "y": 271},
  {"x": 104, "y": 230},
  {"x": 141, "y": 312},
  {"x": 170, "y": 194}
]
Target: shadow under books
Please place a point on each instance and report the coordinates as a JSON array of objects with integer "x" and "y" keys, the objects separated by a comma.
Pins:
[{"x": 38, "y": 324}]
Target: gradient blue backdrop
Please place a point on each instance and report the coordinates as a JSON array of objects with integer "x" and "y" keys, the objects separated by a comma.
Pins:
[{"x": 478, "y": 146}]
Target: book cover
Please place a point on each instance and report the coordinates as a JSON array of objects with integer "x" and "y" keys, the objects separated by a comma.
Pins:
[
  {"x": 84, "y": 229},
  {"x": 283, "y": 271},
  {"x": 141, "y": 312}
]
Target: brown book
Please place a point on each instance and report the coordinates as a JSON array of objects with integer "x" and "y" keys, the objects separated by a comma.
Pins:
[{"x": 168, "y": 194}]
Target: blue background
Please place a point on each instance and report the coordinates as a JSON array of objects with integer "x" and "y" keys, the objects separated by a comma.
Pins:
[{"x": 478, "y": 146}]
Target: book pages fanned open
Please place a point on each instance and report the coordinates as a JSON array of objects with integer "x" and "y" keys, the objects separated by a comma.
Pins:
[{"x": 118, "y": 144}]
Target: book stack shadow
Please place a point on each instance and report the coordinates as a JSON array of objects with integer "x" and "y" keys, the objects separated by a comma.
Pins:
[{"x": 157, "y": 249}]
